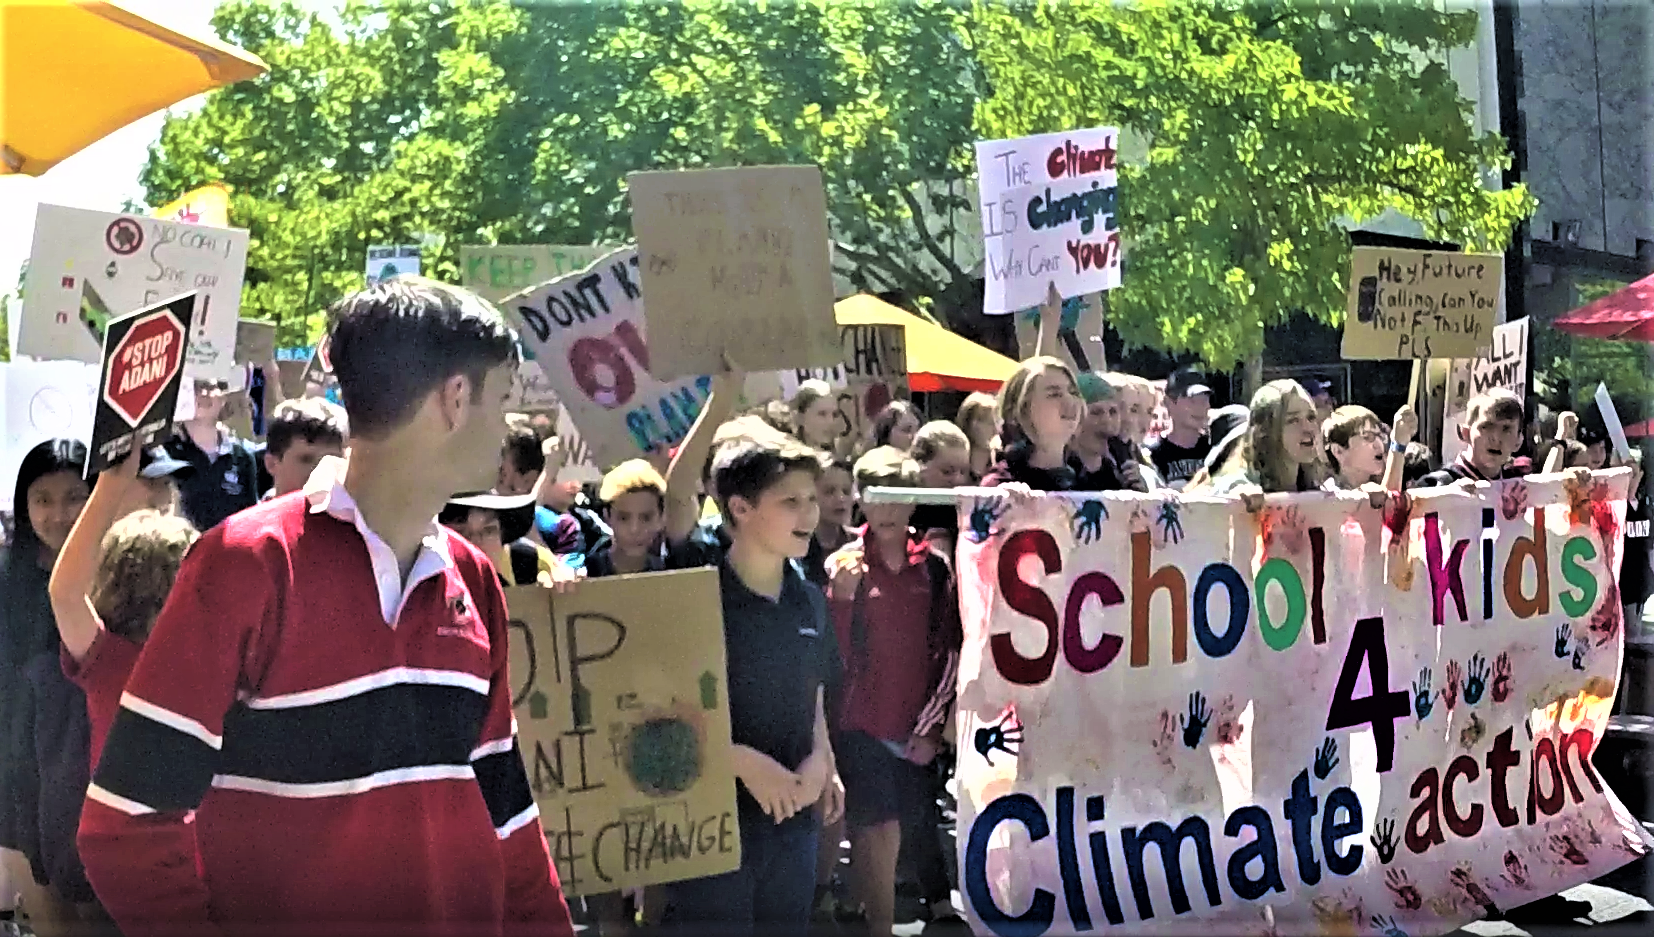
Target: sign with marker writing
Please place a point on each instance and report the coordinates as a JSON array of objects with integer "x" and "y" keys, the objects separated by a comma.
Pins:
[
  {"x": 495, "y": 271},
  {"x": 1504, "y": 366},
  {"x": 1048, "y": 216},
  {"x": 1406, "y": 304},
  {"x": 873, "y": 373},
  {"x": 391, "y": 260},
  {"x": 624, "y": 728},
  {"x": 586, "y": 332},
  {"x": 87, "y": 267},
  {"x": 738, "y": 261},
  {"x": 1182, "y": 717},
  {"x": 41, "y": 400}
]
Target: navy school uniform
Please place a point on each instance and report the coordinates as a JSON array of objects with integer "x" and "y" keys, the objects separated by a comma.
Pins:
[{"x": 781, "y": 654}]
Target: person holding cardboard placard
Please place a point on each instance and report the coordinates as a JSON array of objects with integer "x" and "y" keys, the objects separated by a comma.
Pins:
[
  {"x": 341, "y": 729},
  {"x": 781, "y": 658}
]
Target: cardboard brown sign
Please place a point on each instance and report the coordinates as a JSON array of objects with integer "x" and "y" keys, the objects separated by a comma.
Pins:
[
  {"x": 736, "y": 261},
  {"x": 1421, "y": 304},
  {"x": 623, "y": 719},
  {"x": 255, "y": 341}
]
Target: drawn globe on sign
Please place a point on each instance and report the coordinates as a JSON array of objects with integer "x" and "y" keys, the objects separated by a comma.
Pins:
[{"x": 665, "y": 754}]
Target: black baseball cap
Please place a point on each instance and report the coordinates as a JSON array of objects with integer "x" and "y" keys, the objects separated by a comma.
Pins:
[{"x": 1186, "y": 382}]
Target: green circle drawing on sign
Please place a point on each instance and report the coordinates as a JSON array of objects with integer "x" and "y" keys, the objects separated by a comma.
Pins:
[{"x": 663, "y": 756}]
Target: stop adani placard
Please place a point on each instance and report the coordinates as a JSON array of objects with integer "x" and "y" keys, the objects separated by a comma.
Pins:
[
  {"x": 1177, "y": 716},
  {"x": 143, "y": 365}
]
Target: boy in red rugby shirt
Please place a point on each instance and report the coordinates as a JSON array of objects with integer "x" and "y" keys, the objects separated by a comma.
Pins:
[{"x": 327, "y": 685}]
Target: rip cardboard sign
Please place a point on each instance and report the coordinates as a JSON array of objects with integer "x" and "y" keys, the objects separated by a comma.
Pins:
[
  {"x": 624, "y": 728},
  {"x": 1406, "y": 304},
  {"x": 1177, "y": 716},
  {"x": 736, "y": 261},
  {"x": 143, "y": 366},
  {"x": 585, "y": 332}
]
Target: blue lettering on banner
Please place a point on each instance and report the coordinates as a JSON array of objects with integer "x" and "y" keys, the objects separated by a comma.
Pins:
[{"x": 668, "y": 420}]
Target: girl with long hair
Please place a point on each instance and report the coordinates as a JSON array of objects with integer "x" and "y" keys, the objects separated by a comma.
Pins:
[
  {"x": 1039, "y": 412},
  {"x": 1282, "y": 448},
  {"x": 976, "y": 418}
]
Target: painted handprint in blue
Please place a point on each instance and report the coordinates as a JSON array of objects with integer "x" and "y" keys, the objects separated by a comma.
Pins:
[
  {"x": 1475, "y": 680},
  {"x": 1088, "y": 521},
  {"x": 984, "y": 512},
  {"x": 1326, "y": 759},
  {"x": 1171, "y": 524},
  {"x": 1423, "y": 700}
]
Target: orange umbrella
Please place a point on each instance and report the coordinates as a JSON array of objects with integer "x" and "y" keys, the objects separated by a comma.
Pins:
[
  {"x": 1626, "y": 315},
  {"x": 74, "y": 71},
  {"x": 936, "y": 358}
]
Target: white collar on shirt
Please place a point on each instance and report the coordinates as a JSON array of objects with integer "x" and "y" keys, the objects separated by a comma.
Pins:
[{"x": 325, "y": 492}]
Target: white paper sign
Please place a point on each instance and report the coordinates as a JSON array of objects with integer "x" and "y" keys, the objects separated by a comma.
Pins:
[
  {"x": 1504, "y": 367},
  {"x": 1048, "y": 216},
  {"x": 391, "y": 260},
  {"x": 43, "y": 400},
  {"x": 88, "y": 266},
  {"x": 586, "y": 331},
  {"x": 1180, "y": 717},
  {"x": 1611, "y": 419}
]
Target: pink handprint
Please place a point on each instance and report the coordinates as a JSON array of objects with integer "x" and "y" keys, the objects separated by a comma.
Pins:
[
  {"x": 1450, "y": 692},
  {"x": 1513, "y": 500},
  {"x": 1501, "y": 678}
]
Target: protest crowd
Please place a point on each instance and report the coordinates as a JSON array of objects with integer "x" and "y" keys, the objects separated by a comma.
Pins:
[{"x": 158, "y": 779}]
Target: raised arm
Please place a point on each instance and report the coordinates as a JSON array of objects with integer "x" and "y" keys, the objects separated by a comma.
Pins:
[
  {"x": 681, "y": 510},
  {"x": 77, "y": 563},
  {"x": 1567, "y": 425},
  {"x": 1050, "y": 322},
  {"x": 1406, "y": 425}
]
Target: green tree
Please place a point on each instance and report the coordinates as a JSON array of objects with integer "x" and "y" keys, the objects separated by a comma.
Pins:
[{"x": 1267, "y": 124}]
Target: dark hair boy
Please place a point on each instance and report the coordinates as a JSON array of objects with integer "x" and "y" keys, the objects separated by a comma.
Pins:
[{"x": 327, "y": 686}]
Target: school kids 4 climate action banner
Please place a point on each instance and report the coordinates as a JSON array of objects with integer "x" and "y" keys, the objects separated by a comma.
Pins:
[{"x": 1176, "y": 716}]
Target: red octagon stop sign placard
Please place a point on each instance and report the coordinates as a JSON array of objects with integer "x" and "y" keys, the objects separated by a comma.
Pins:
[{"x": 146, "y": 359}]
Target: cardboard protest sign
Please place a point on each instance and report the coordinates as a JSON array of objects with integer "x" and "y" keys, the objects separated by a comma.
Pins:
[
  {"x": 623, "y": 719},
  {"x": 1504, "y": 366},
  {"x": 586, "y": 333},
  {"x": 255, "y": 342},
  {"x": 86, "y": 267},
  {"x": 1179, "y": 717},
  {"x": 43, "y": 400},
  {"x": 1048, "y": 216},
  {"x": 874, "y": 373},
  {"x": 143, "y": 366},
  {"x": 495, "y": 271},
  {"x": 738, "y": 261},
  {"x": 391, "y": 260},
  {"x": 1421, "y": 304}
]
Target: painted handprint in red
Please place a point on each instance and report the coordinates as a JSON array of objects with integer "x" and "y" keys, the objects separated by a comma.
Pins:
[
  {"x": 1406, "y": 894},
  {"x": 1455, "y": 677},
  {"x": 1501, "y": 678},
  {"x": 1513, "y": 500}
]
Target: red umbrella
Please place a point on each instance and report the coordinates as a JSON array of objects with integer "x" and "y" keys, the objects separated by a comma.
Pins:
[
  {"x": 1640, "y": 430},
  {"x": 1627, "y": 315}
]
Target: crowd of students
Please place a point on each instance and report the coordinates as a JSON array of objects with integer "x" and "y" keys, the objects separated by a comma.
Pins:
[{"x": 233, "y": 700}]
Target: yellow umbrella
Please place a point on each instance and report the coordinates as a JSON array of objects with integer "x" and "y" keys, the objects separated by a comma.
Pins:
[
  {"x": 936, "y": 358},
  {"x": 73, "y": 71}
]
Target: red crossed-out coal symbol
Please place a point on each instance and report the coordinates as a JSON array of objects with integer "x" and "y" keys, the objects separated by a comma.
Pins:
[{"x": 146, "y": 359}]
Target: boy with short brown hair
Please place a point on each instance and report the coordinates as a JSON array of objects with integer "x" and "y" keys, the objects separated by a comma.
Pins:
[{"x": 1492, "y": 432}]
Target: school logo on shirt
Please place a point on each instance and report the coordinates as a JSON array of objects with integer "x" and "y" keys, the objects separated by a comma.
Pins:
[
  {"x": 463, "y": 621},
  {"x": 232, "y": 481}
]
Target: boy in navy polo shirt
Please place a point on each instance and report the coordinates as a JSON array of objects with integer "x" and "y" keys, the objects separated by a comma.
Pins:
[
  {"x": 327, "y": 687},
  {"x": 782, "y": 655}
]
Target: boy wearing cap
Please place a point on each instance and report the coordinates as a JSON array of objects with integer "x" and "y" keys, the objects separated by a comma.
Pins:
[
  {"x": 1178, "y": 455},
  {"x": 327, "y": 688},
  {"x": 1105, "y": 456}
]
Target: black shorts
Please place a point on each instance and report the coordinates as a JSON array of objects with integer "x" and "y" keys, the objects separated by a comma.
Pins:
[{"x": 879, "y": 785}]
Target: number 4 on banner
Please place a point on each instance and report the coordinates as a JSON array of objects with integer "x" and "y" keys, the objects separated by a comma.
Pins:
[{"x": 1384, "y": 706}]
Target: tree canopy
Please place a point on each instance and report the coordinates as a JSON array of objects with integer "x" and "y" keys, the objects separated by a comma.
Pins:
[{"x": 478, "y": 121}]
